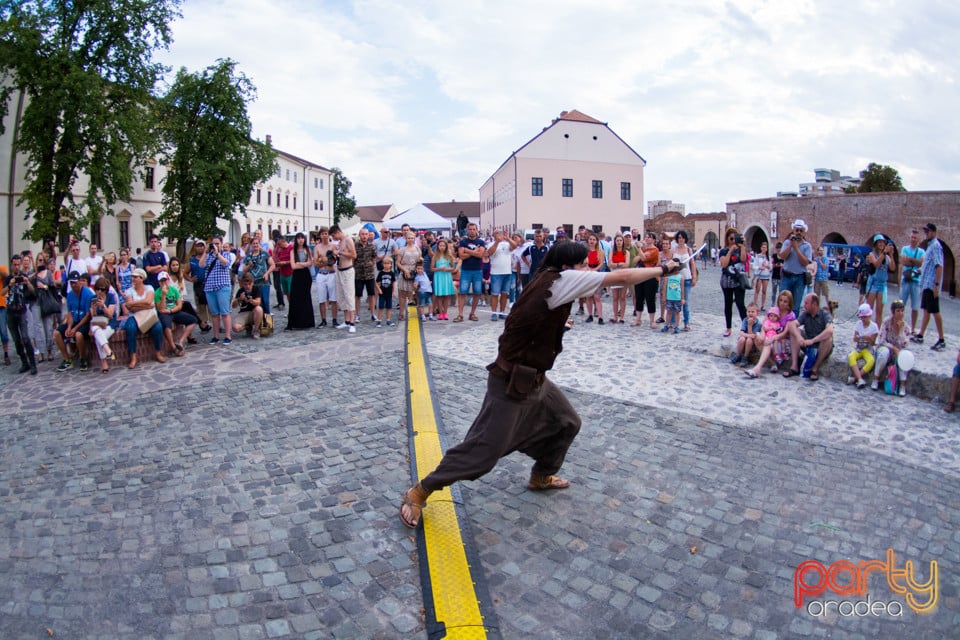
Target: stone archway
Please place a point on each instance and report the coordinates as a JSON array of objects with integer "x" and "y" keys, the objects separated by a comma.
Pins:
[
  {"x": 834, "y": 237},
  {"x": 754, "y": 237},
  {"x": 712, "y": 241}
]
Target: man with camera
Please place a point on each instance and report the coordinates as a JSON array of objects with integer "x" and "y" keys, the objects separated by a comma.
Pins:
[
  {"x": 18, "y": 289},
  {"x": 248, "y": 299},
  {"x": 911, "y": 257},
  {"x": 325, "y": 260},
  {"x": 796, "y": 253}
]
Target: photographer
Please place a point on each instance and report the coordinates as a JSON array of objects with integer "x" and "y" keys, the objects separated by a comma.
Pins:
[
  {"x": 732, "y": 258},
  {"x": 796, "y": 253},
  {"x": 216, "y": 286},
  {"x": 248, "y": 299},
  {"x": 17, "y": 289}
]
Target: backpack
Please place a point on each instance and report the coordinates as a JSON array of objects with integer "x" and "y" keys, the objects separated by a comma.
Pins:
[{"x": 16, "y": 299}]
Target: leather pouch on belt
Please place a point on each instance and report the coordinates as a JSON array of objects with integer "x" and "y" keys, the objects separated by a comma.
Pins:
[{"x": 522, "y": 381}]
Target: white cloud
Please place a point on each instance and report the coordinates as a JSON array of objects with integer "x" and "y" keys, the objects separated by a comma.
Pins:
[{"x": 726, "y": 100}]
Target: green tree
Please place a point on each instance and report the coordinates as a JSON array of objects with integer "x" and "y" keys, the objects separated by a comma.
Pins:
[
  {"x": 213, "y": 163},
  {"x": 344, "y": 204},
  {"x": 87, "y": 74},
  {"x": 878, "y": 177}
]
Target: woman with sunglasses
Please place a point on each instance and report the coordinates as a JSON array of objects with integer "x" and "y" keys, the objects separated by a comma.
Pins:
[
  {"x": 732, "y": 258},
  {"x": 104, "y": 320}
]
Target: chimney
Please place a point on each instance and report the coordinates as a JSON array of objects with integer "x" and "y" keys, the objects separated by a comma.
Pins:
[{"x": 269, "y": 139}]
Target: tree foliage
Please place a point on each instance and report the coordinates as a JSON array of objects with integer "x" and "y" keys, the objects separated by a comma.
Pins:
[
  {"x": 86, "y": 70},
  {"x": 878, "y": 177},
  {"x": 344, "y": 204},
  {"x": 213, "y": 163}
]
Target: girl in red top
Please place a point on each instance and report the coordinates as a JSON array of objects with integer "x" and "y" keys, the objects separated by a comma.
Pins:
[
  {"x": 595, "y": 261},
  {"x": 618, "y": 260}
]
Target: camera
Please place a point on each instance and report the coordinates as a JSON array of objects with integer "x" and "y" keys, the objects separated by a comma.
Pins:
[{"x": 738, "y": 238}]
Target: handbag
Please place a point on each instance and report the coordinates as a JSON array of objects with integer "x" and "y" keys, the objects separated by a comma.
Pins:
[
  {"x": 891, "y": 381},
  {"x": 266, "y": 328},
  {"x": 146, "y": 318},
  {"x": 99, "y": 321},
  {"x": 744, "y": 280},
  {"x": 50, "y": 303}
]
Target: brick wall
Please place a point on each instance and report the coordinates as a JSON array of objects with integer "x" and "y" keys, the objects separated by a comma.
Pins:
[{"x": 854, "y": 218}]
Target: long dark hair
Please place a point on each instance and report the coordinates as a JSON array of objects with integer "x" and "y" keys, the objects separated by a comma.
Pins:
[{"x": 563, "y": 254}]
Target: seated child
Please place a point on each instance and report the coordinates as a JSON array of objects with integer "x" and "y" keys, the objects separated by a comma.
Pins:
[
  {"x": 751, "y": 335},
  {"x": 864, "y": 338}
]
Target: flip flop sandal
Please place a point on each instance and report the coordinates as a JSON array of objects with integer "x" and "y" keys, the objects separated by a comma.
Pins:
[
  {"x": 416, "y": 509},
  {"x": 474, "y": 318},
  {"x": 546, "y": 483},
  {"x": 790, "y": 373},
  {"x": 814, "y": 376},
  {"x": 750, "y": 374}
]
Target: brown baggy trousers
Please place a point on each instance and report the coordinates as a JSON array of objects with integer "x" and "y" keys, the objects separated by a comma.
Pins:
[{"x": 543, "y": 426}]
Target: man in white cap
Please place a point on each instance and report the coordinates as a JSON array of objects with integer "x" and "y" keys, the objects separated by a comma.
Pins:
[{"x": 796, "y": 253}]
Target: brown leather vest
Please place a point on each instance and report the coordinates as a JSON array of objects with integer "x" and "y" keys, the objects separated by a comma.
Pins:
[{"x": 533, "y": 334}]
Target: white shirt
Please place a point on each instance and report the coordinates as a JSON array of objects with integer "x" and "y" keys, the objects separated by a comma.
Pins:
[
  {"x": 93, "y": 267},
  {"x": 500, "y": 259},
  {"x": 573, "y": 284}
]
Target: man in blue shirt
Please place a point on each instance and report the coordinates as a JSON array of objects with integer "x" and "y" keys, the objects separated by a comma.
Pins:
[
  {"x": 931, "y": 279},
  {"x": 471, "y": 251},
  {"x": 796, "y": 253},
  {"x": 533, "y": 255},
  {"x": 76, "y": 326},
  {"x": 154, "y": 261}
]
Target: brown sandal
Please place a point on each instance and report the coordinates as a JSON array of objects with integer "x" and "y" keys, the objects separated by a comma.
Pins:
[
  {"x": 415, "y": 499},
  {"x": 474, "y": 318},
  {"x": 545, "y": 483},
  {"x": 458, "y": 319}
]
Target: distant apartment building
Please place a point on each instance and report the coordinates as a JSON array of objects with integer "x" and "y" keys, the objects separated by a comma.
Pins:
[
  {"x": 576, "y": 171},
  {"x": 298, "y": 197},
  {"x": 827, "y": 182},
  {"x": 659, "y": 207}
]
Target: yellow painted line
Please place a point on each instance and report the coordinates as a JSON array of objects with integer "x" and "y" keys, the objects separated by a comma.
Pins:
[{"x": 452, "y": 587}]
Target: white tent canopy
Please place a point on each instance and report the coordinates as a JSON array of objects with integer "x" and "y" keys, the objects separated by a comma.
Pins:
[{"x": 420, "y": 218}]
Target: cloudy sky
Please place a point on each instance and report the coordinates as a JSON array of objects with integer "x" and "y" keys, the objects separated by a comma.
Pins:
[{"x": 726, "y": 100}]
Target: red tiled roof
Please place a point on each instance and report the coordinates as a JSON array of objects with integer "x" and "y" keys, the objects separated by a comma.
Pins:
[
  {"x": 577, "y": 116},
  {"x": 373, "y": 213}
]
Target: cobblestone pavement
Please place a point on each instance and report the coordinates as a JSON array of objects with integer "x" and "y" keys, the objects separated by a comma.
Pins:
[{"x": 251, "y": 492}]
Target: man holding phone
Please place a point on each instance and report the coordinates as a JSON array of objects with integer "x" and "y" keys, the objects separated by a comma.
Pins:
[
  {"x": 16, "y": 289},
  {"x": 796, "y": 254}
]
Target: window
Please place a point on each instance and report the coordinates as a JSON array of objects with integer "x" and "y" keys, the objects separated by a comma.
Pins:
[
  {"x": 288, "y": 175},
  {"x": 288, "y": 229},
  {"x": 269, "y": 198},
  {"x": 321, "y": 205},
  {"x": 294, "y": 181},
  {"x": 568, "y": 187},
  {"x": 536, "y": 186},
  {"x": 286, "y": 201},
  {"x": 624, "y": 190},
  {"x": 124, "y": 234},
  {"x": 148, "y": 179},
  {"x": 321, "y": 183},
  {"x": 314, "y": 183},
  {"x": 95, "y": 233},
  {"x": 294, "y": 204},
  {"x": 279, "y": 172},
  {"x": 315, "y": 205},
  {"x": 248, "y": 227},
  {"x": 598, "y": 188},
  {"x": 147, "y": 228},
  {"x": 258, "y": 196}
]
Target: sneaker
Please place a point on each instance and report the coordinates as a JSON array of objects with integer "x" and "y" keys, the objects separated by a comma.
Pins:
[
  {"x": 431, "y": 318},
  {"x": 256, "y": 334},
  {"x": 665, "y": 328},
  {"x": 227, "y": 342},
  {"x": 851, "y": 379},
  {"x": 676, "y": 329},
  {"x": 373, "y": 318},
  {"x": 599, "y": 320},
  {"x": 493, "y": 317},
  {"x": 351, "y": 329},
  {"x": 861, "y": 383},
  {"x": 940, "y": 345},
  {"x": 918, "y": 338},
  {"x": 379, "y": 325},
  {"x": 214, "y": 340},
  {"x": 735, "y": 358},
  {"x": 589, "y": 319},
  {"x": 875, "y": 384},
  {"x": 84, "y": 365},
  {"x": 342, "y": 325},
  {"x": 323, "y": 323},
  {"x": 903, "y": 392},
  {"x": 391, "y": 323},
  {"x": 580, "y": 311},
  {"x": 65, "y": 365}
]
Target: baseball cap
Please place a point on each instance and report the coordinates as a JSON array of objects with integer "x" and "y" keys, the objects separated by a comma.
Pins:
[
  {"x": 865, "y": 310},
  {"x": 877, "y": 238},
  {"x": 163, "y": 275},
  {"x": 929, "y": 227},
  {"x": 74, "y": 276}
]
